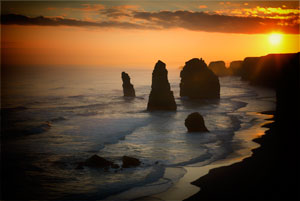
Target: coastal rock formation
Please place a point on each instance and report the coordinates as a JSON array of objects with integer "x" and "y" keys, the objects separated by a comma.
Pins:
[
  {"x": 235, "y": 181},
  {"x": 219, "y": 68},
  {"x": 195, "y": 123},
  {"x": 198, "y": 81},
  {"x": 128, "y": 89},
  {"x": 161, "y": 97},
  {"x": 96, "y": 161},
  {"x": 235, "y": 67},
  {"x": 265, "y": 70},
  {"x": 130, "y": 162}
]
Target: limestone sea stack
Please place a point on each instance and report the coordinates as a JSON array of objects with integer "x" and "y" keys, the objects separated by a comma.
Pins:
[
  {"x": 161, "y": 97},
  {"x": 234, "y": 67},
  {"x": 128, "y": 89},
  {"x": 219, "y": 68},
  {"x": 195, "y": 123},
  {"x": 198, "y": 81}
]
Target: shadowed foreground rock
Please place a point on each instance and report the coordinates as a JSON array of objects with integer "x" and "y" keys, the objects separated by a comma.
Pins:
[
  {"x": 161, "y": 97},
  {"x": 219, "y": 68},
  {"x": 195, "y": 123},
  {"x": 130, "y": 162},
  {"x": 96, "y": 161},
  {"x": 198, "y": 81},
  {"x": 128, "y": 89}
]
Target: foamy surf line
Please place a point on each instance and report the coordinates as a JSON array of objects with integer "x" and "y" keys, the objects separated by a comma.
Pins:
[
  {"x": 176, "y": 182},
  {"x": 183, "y": 189}
]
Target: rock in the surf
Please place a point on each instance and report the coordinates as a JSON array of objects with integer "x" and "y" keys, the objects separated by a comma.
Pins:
[
  {"x": 195, "y": 123},
  {"x": 130, "y": 162},
  {"x": 198, "y": 81},
  {"x": 161, "y": 97},
  {"x": 96, "y": 161},
  {"x": 128, "y": 88}
]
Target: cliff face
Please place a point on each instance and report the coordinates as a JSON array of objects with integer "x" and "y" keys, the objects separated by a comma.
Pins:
[
  {"x": 198, "y": 81},
  {"x": 161, "y": 97},
  {"x": 265, "y": 70},
  {"x": 287, "y": 91},
  {"x": 128, "y": 89},
  {"x": 219, "y": 68}
]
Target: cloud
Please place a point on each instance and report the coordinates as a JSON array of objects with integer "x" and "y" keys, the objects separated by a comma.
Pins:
[
  {"x": 92, "y": 7},
  {"x": 263, "y": 12},
  {"x": 196, "y": 21},
  {"x": 202, "y": 6},
  {"x": 200, "y": 21},
  {"x": 13, "y": 19}
]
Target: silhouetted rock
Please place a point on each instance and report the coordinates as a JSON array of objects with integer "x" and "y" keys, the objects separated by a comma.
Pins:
[
  {"x": 195, "y": 123},
  {"x": 234, "y": 67},
  {"x": 161, "y": 97},
  {"x": 198, "y": 81},
  {"x": 128, "y": 89},
  {"x": 287, "y": 91},
  {"x": 96, "y": 161},
  {"x": 130, "y": 162},
  {"x": 219, "y": 68},
  {"x": 265, "y": 70}
]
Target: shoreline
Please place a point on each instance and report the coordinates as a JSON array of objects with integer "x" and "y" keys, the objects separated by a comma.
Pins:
[
  {"x": 259, "y": 177},
  {"x": 184, "y": 188},
  {"x": 272, "y": 173}
]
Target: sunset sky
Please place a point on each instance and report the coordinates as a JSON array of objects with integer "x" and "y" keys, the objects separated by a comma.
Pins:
[{"x": 138, "y": 33}]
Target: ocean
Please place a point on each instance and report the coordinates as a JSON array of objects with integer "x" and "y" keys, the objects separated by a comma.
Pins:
[{"x": 53, "y": 118}]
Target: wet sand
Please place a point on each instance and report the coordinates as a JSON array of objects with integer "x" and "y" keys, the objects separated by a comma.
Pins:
[
  {"x": 184, "y": 188},
  {"x": 271, "y": 173}
]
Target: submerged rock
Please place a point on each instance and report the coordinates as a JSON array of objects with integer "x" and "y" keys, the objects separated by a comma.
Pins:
[
  {"x": 96, "y": 161},
  {"x": 219, "y": 68},
  {"x": 128, "y": 89},
  {"x": 195, "y": 123},
  {"x": 161, "y": 97},
  {"x": 198, "y": 81},
  {"x": 130, "y": 162}
]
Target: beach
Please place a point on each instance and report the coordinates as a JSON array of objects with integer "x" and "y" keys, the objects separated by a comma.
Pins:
[
  {"x": 260, "y": 177},
  {"x": 272, "y": 172}
]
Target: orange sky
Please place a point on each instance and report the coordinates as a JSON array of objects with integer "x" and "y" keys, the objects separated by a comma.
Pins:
[{"x": 35, "y": 45}]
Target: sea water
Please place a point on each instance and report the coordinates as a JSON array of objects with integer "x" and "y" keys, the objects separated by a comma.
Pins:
[{"x": 57, "y": 117}]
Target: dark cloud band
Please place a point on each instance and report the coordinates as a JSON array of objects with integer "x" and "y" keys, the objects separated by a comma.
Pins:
[
  {"x": 13, "y": 19},
  {"x": 197, "y": 21}
]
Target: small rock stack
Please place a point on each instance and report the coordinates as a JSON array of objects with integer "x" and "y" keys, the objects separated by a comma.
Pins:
[{"x": 128, "y": 89}]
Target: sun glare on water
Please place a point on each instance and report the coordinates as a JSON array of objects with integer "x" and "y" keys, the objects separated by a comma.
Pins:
[{"x": 275, "y": 38}]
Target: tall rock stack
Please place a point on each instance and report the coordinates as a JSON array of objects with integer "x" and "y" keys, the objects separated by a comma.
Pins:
[
  {"x": 128, "y": 89},
  {"x": 198, "y": 81},
  {"x": 161, "y": 97}
]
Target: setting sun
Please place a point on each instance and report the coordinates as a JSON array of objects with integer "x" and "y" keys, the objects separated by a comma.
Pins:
[{"x": 275, "y": 38}]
